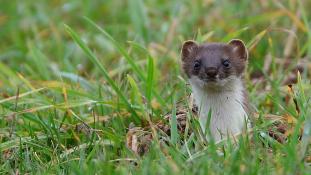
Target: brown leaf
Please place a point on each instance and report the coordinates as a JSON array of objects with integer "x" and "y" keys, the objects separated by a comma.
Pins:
[
  {"x": 138, "y": 140},
  {"x": 289, "y": 119},
  {"x": 155, "y": 104}
]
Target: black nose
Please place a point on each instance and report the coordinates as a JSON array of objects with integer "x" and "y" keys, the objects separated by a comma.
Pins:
[{"x": 211, "y": 72}]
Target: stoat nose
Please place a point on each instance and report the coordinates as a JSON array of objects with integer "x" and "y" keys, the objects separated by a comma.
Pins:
[{"x": 211, "y": 72}]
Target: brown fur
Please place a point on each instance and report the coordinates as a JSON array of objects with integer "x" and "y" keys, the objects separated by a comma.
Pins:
[{"x": 212, "y": 55}]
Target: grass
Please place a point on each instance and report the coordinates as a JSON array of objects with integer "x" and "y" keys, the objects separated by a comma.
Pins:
[{"x": 74, "y": 75}]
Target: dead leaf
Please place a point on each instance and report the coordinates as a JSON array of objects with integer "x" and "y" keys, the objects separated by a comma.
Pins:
[
  {"x": 289, "y": 119},
  {"x": 155, "y": 104}
]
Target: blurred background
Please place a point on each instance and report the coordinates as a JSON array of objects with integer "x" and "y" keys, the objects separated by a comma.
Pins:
[
  {"x": 158, "y": 25},
  {"x": 48, "y": 84},
  {"x": 36, "y": 45}
]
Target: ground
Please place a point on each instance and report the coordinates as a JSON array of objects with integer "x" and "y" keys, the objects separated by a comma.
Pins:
[{"x": 84, "y": 84}]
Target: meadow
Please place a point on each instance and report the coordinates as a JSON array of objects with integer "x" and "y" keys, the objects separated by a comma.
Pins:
[{"x": 84, "y": 83}]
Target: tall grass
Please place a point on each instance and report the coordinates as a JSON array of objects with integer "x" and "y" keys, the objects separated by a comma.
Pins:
[{"x": 74, "y": 75}]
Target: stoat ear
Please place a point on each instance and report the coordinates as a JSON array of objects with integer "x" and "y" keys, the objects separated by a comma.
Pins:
[
  {"x": 239, "y": 48},
  {"x": 187, "y": 48}
]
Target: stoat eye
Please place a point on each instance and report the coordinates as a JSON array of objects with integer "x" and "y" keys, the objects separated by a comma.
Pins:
[
  {"x": 197, "y": 65},
  {"x": 226, "y": 63}
]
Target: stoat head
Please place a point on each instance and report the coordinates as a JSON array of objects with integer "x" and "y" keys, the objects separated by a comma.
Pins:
[{"x": 214, "y": 64}]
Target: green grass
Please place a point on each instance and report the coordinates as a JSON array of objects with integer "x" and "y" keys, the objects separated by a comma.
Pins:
[{"x": 97, "y": 66}]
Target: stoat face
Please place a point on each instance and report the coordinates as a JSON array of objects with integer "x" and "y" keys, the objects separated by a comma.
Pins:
[{"x": 214, "y": 66}]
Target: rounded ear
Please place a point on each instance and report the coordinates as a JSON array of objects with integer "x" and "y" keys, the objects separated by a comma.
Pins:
[
  {"x": 239, "y": 48},
  {"x": 187, "y": 48}
]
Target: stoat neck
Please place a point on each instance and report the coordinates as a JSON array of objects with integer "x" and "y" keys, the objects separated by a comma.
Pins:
[{"x": 226, "y": 106}]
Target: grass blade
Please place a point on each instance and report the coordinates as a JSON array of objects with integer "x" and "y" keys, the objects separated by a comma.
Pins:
[
  {"x": 122, "y": 51},
  {"x": 173, "y": 123},
  {"x": 21, "y": 95},
  {"x": 128, "y": 58},
  {"x": 96, "y": 62},
  {"x": 149, "y": 79},
  {"x": 138, "y": 16},
  {"x": 135, "y": 93}
]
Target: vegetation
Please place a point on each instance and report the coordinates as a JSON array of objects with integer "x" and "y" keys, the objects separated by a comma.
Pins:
[{"x": 74, "y": 75}]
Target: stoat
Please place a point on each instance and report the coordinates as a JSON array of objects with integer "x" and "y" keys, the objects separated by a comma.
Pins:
[{"x": 215, "y": 73}]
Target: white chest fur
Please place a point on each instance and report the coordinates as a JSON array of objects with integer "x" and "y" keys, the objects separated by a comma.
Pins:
[{"x": 225, "y": 104}]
